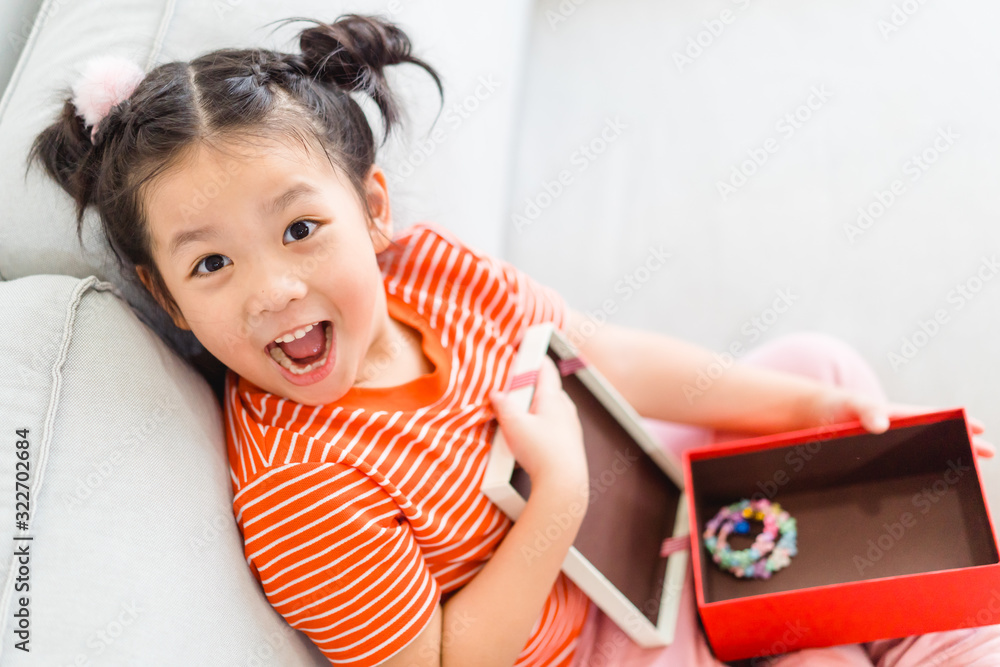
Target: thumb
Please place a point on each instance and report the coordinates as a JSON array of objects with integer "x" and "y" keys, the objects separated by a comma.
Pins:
[
  {"x": 874, "y": 416},
  {"x": 506, "y": 411},
  {"x": 511, "y": 421},
  {"x": 547, "y": 385},
  {"x": 501, "y": 404}
]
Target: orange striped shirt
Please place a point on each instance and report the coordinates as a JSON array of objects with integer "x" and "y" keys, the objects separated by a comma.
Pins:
[{"x": 359, "y": 517}]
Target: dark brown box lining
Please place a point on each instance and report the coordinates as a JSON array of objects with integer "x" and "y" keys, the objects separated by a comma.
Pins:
[
  {"x": 633, "y": 504},
  {"x": 849, "y": 497}
]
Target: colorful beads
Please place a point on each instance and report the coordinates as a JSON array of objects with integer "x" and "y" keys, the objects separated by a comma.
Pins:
[{"x": 772, "y": 549}]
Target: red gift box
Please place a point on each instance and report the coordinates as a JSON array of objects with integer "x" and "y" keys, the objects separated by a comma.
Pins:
[{"x": 894, "y": 536}]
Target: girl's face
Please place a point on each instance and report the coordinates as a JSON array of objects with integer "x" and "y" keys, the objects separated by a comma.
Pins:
[{"x": 255, "y": 243}]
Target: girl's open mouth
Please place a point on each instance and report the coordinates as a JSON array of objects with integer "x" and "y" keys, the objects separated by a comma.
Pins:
[{"x": 306, "y": 369}]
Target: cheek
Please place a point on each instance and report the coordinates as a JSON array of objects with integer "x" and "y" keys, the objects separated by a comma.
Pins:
[
  {"x": 221, "y": 330},
  {"x": 358, "y": 297},
  {"x": 354, "y": 281}
]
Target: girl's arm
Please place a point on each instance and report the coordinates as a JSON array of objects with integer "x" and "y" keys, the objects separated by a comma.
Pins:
[
  {"x": 488, "y": 621},
  {"x": 665, "y": 378},
  {"x": 669, "y": 379}
]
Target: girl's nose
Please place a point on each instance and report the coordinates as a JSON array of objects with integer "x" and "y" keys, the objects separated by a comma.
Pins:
[{"x": 275, "y": 289}]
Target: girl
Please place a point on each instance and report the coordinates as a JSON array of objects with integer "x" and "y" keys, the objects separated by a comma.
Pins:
[{"x": 366, "y": 367}]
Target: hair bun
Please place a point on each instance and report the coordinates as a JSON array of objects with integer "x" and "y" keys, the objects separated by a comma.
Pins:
[
  {"x": 352, "y": 52},
  {"x": 346, "y": 50}
]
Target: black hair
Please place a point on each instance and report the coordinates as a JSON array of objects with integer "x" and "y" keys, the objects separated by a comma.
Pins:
[{"x": 228, "y": 92}]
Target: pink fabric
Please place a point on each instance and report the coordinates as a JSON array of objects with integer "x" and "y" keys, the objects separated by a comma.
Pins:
[{"x": 830, "y": 360}]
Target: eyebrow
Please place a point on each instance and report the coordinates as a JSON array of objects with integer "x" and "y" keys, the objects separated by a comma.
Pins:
[
  {"x": 276, "y": 205},
  {"x": 283, "y": 201},
  {"x": 188, "y": 237}
]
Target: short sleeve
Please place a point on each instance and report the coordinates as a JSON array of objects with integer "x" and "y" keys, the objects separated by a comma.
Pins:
[
  {"x": 533, "y": 302},
  {"x": 507, "y": 296},
  {"x": 337, "y": 559}
]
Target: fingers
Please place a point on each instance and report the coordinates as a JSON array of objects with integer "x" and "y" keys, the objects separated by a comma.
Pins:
[
  {"x": 549, "y": 384},
  {"x": 873, "y": 416},
  {"x": 983, "y": 448},
  {"x": 499, "y": 400},
  {"x": 977, "y": 426},
  {"x": 903, "y": 410}
]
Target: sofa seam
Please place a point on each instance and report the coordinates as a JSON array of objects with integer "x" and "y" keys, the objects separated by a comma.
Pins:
[
  {"x": 161, "y": 34},
  {"x": 44, "y": 12},
  {"x": 40, "y": 20},
  {"x": 91, "y": 282}
]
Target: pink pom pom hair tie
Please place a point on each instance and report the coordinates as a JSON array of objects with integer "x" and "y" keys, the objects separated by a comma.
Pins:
[{"x": 105, "y": 81}]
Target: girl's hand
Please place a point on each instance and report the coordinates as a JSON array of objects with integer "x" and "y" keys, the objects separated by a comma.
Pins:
[
  {"x": 834, "y": 405},
  {"x": 547, "y": 441}
]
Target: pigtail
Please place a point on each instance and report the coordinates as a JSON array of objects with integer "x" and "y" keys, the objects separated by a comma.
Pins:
[
  {"x": 65, "y": 151},
  {"x": 352, "y": 53}
]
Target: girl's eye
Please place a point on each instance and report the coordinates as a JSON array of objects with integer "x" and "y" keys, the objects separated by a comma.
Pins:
[
  {"x": 212, "y": 261},
  {"x": 299, "y": 230}
]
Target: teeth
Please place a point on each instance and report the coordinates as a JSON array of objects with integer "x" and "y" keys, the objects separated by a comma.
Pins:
[
  {"x": 279, "y": 355},
  {"x": 298, "y": 333}
]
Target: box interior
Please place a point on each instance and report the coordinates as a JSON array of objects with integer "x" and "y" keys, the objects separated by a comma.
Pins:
[
  {"x": 633, "y": 504},
  {"x": 867, "y": 506}
]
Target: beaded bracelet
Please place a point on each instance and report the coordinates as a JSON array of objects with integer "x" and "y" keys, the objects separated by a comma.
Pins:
[{"x": 777, "y": 542}]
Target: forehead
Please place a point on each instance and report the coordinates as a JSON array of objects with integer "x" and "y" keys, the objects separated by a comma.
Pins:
[
  {"x": 210, "y": 179},
  {"x": 241, "y": 154}
]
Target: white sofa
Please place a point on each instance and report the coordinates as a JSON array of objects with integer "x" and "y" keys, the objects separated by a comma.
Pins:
[
  {"x": 136, "y": 558},
  {"x": 617, "y": 143}
]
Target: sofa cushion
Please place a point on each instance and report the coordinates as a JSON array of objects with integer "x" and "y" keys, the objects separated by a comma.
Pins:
[
  {"x": 456, "y": 175},
  {"x": 135, "y": 556}
]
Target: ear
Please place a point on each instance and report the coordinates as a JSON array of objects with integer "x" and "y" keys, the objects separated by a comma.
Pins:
[
  {"x": 378, "y": 203},
  {"x": 147, "y": 280}
]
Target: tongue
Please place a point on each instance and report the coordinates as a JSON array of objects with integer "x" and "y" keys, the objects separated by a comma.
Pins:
[{"x": 310, "y": 345}]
